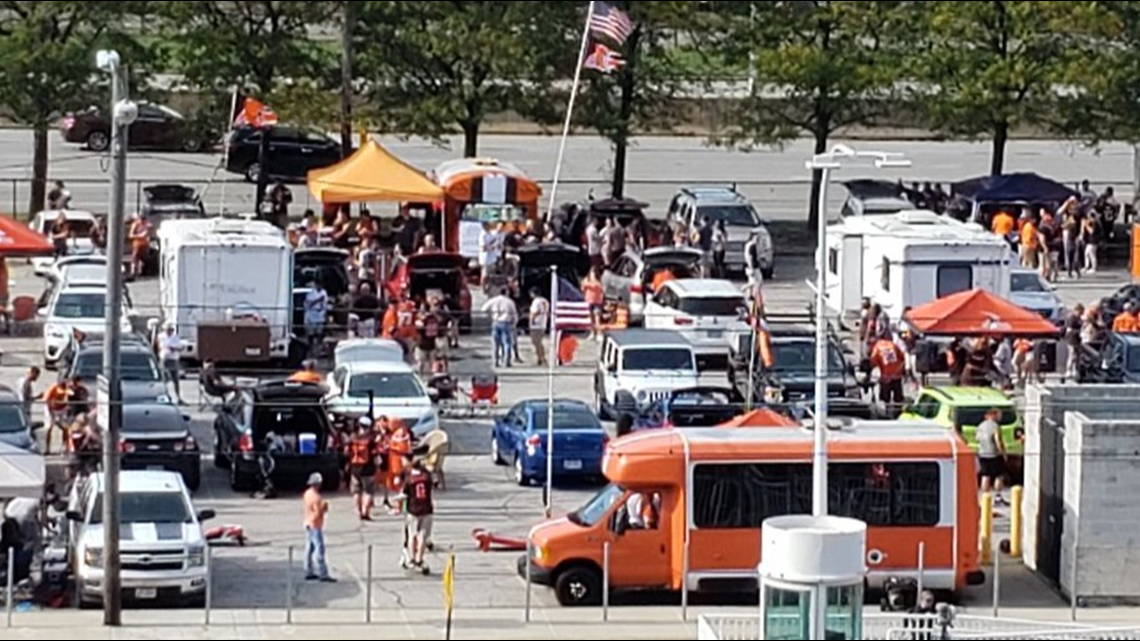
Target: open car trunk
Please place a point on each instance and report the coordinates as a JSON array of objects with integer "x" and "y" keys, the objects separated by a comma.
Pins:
[
  {"x": 684, "y": 263},
  {"x": 290, "y": 421},
  {"x": 436, "y": 272}
]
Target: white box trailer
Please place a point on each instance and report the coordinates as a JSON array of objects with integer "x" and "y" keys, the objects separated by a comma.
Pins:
[
  {"x": 911, "y": 258},
  {"x": 222, "y": 269}
]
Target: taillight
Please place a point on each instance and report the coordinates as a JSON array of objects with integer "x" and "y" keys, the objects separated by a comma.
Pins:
[
  {"x": 682, "y": 321},
  {"x": 68, "y": 122},
  {"x": 636, "y": 288},
  {"x": 245, "y": 443},
  {"x": 532, "y": 444},
  {"x": 126, "y": 447},
  {"x": 188, "y": 445}
]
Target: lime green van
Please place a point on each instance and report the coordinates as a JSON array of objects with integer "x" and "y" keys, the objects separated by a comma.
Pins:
[{"x": 964, "y": 408}]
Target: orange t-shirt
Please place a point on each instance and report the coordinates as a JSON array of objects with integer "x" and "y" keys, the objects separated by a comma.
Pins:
[
  {"x": 592, "y": 290},
  {"x": 889, "y": 359},
  {"x": 315, "y": 509},
  {"x": 1125, "y": 323},
  {"x": 662, "y": 277},
  {"x": 1029, "y": 237},
  {"x": 57, "y": 397},
  {"x": 1003, "y": 224},
  {"x": 306, "y": 376}
]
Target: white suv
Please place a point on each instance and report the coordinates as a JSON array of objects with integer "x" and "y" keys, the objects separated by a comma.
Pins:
[
  {"x": 76, "y": 306},
  {"x": 639, "y": 367},
  {"x": 709, "y": 313},
  {"x": 163, "y": 551}
]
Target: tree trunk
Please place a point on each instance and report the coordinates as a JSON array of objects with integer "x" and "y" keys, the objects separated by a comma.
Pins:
[
  {"x": 39, "y": 170},
  {"x": 1001, "y": 136},
  {"x": 346, "y": 80},
  {"x": 470, "y": 139},
  {"x": 626, "y": 81},
  {"x": 816, "y": 184}
]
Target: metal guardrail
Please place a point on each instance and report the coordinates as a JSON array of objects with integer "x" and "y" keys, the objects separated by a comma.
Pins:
[{"x": 747, "y": 627}]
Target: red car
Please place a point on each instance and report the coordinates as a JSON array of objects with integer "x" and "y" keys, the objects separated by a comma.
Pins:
[{"x": 418, "y": 276}]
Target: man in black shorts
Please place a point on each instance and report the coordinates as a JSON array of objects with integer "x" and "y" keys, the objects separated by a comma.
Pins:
[
  {"x": 991, "y": 454},
  {"x": 419, "y": 508},
  {"x": 362, "y": 469}
]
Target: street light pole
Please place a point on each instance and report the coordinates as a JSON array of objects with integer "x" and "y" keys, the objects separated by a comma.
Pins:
[
  {"x": 123, "y": 113},
  {"x": 825, "y": 163}
]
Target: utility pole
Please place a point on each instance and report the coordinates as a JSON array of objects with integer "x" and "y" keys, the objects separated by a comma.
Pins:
[
  {"x": 123, "y": 113},
  {"x": 346, "y": 78}
]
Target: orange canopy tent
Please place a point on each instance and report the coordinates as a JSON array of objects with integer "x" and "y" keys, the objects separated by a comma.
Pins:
[
  {"x": 372, "y": 174},
  {"x": 977, "y": 312},
  {"x": 19, "y": 240},
  {"x": 762, "y": 417}
]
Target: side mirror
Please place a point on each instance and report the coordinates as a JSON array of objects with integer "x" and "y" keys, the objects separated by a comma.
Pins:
[
  {"x": 42, "y": 312},
  {"x": 206, "y": 515},
  {"x": 73, "y": 515},
  {"x": 619, "y": 523}
]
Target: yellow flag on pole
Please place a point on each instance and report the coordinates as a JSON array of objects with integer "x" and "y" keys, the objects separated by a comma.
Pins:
[{"x": 449, "y": 583}]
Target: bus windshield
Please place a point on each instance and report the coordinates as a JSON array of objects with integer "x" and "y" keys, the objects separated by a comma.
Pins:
[{"x": 596, "y": 508}]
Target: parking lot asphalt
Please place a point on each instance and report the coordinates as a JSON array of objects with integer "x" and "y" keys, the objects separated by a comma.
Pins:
[{"x": 257, "y": 577}]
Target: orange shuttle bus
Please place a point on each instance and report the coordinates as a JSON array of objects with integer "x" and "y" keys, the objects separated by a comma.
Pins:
[{"x": 684, "y": 507}]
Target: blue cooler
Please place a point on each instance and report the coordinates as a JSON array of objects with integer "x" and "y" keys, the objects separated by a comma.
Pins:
[{"x": 307, "y": 444}]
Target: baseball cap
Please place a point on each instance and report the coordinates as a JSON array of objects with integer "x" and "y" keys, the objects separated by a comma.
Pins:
[{"x": 316, "y": 479}]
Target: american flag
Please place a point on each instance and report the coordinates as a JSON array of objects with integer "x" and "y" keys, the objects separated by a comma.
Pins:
[
  {"x": 610, "y": 23},
  {"x": 603, "y": 59},
  {"x": 254, "y": 113},
  {"x": 571, "y": 312}
]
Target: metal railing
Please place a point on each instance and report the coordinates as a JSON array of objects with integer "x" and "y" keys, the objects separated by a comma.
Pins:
[{"x": 747, "y": 627}]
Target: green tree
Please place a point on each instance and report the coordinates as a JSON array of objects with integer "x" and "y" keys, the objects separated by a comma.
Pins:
[
  {"x": 47, "y": 65},
  {"x": 264, "y": 47},
  {"x": 988, "y": 68},
  {"x": 435, "y": 68},
  {"x": 819, "y": 67},
  {"x": 643, "y": 94}
]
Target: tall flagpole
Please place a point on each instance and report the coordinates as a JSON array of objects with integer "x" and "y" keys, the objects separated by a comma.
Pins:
[
  {"x": 551, "y": 358},
  {"x": 570, "y": 111},
  {"x": 226, "y": 148}
]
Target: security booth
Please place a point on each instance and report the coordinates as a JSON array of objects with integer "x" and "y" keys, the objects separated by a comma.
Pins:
[
  {"x": 478, "y": 191},
  {"x": 811, "y": 578}
]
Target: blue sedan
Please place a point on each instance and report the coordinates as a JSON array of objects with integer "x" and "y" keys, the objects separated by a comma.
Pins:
[{"x": 519, "y": 438}]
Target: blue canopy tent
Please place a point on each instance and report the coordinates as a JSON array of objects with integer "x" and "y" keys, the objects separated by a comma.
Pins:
[{"x": 1022, "y": 188}]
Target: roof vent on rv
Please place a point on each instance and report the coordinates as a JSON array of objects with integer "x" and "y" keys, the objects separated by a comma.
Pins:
[
  {"x": 834, "y": 423},
  {"x": 920, "y": 217}
]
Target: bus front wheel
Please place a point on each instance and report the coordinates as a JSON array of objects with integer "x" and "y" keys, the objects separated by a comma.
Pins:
[{"x": 579, "y": 586}]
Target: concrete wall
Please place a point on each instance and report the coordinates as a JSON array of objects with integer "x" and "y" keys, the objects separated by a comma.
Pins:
[
  {"x": 1102, "y": 509},
  {"x": 1051, "y": 402}
]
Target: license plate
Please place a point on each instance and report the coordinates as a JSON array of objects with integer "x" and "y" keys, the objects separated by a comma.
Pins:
[
  {"x": 572, "y": 465},
  {"x": 716, "y": 334},
  {"x": 146, "y": 593},
  {"x": 155, "y": 468}
]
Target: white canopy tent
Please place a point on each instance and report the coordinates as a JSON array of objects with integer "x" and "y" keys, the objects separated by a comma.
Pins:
[{"x": 21, "y": 473}]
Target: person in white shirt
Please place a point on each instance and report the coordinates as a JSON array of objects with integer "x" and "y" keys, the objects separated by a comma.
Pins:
[
  {"x": 316, "y": 313},
  {"x": 170, "y": 353},
  {"x": 539, "y": 319},
  {"x": 26, "y": 389},
  {"x": 594, "y": 244},
  {"x": 490, "y": 249},
  {"x": 504, "y": 319}
]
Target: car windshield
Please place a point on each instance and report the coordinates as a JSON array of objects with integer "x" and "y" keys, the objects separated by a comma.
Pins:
[
  {"x": 152, "y": 422},
  {"x": 79, "y": 306},
  {"x": 1132, "y": 364},
  {"x": 733, "y": 215},
  {"x": 596, "y": 509},
  {"x": 12, "y": 420},
  {"x": 567, "y": 417},
  {"x": 657, "y": 358},
  {"x": 972, "y": 416},
  {"x": 799, "y": 356},
  {"x": 713, "y": 306},
  {"x": 398, "y": 385},
  {"x": 136, "y": 366},
  {"x": 1026, "y": 283},
  {"x": 147, "y": 507}
]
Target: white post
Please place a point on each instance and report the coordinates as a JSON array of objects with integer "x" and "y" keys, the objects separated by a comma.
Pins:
[
  {"x": 997, "y": 582},
  {"x": 685, "y": 584},
  {"x": 289, "y": 588},
  {"x": 1073, "y": 594},
  {"x": 570, "y": 109},
  {"x": 921, "y": 568},
  {"x": 551, "y": 359},
  {"x": 368, "y": 587},
  {"x": 529, "y": 561},
  {"x": 209, "y": 582},
  {"x": 226, "y": 149},
  {"x": 606, "y": 581},
  {"x": 9, "y": 591},
  {"x": 754, "y": 346},
  {"x": 819, "y": 459}
]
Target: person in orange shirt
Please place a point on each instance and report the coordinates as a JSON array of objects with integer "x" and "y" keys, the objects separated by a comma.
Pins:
[
  {"x": 315, "y": 510},
  {"x": 390, "y": 321},
  {"x": 662, "y": 277},
  {"x": 888, "y": 358},
  {"x": 64, "y": 400},
  {"x": 595, "y": 297},
  {"x": 1030, "y": 243},
  {"x": 307, "y": 374},
  {"x": 139, "y": 235},
  {"x": 1003, "y": 223},
  {"x": 399, "y": 444},
  {"x": 1126, "y": 322},
  {"x": 5, "y": 294}
]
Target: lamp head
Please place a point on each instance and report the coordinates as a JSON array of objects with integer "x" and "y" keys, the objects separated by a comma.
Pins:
[{"x": 107, "y": 59}]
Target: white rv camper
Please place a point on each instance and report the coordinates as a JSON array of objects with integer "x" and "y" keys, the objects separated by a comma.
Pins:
[
  {"x": 910, "y": 258},
  {"x": 223, "y": 270}
]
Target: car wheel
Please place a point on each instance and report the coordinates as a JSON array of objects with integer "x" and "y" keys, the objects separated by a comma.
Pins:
[
  {"x": 98, "y": 141},
  {"x": 520, "y": 473},
  {"x": 624, "y": 403},
  {"x": 496, "y": 455},
  {"x": 253, "y": 172},
  {"x": 239, "y": 481},
  {"x": 191, "y": 145},
  {"x": 578, "y": 586}
]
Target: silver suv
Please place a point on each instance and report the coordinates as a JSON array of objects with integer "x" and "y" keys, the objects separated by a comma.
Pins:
[{"x": 692, "y": 205}]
